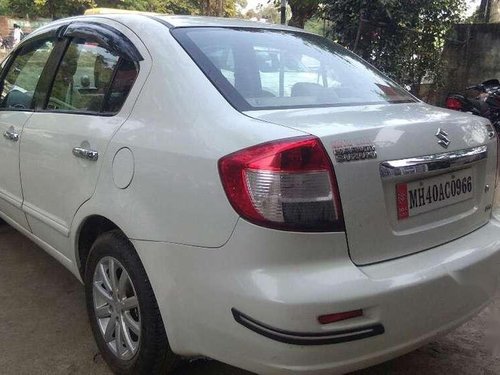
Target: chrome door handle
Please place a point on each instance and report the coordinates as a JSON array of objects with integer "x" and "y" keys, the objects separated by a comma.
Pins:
[
  {"x": 83, "y": 153},
  {"x": 11, "y": 136}
]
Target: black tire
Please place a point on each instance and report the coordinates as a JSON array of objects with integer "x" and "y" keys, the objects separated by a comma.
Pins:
[{"x": 153, "y": 355}]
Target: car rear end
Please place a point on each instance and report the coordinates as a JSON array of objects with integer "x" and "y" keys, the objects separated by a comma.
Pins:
[{"x": 360, "y": 239}]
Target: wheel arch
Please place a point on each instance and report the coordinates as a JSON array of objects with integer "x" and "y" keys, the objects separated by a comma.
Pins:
[{"x": 90, "y": 228}]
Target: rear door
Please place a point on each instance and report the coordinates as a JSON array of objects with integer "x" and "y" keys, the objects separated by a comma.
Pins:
[
  {"x": 19, "y": 80},
  {"x": 64, "y": 141}
]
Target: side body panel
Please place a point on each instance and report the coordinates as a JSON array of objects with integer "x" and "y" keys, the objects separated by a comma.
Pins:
[{"x": 179, "y": 129}]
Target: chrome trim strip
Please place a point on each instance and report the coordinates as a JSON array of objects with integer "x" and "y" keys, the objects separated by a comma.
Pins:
[{"x": 430, "y": 163}]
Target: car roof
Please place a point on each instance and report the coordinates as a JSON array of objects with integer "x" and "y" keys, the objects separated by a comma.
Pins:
[
  {"x": 202, "y": 21},
  {"x": 171, "y": 21}
]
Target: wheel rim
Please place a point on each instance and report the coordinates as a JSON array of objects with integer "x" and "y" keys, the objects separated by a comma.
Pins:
[{"x": 116, "y": 308}]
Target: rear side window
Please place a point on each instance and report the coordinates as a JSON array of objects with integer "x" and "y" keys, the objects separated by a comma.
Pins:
[
  {"x": 91, "y": 79},
  {"x": 123, "y": 81},
  {"x": 267, "y": 69},
  {"x": 23, "y": 75}
]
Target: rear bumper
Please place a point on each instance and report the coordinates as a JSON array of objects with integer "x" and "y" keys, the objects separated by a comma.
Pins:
[{"x": 283, "y": 281}]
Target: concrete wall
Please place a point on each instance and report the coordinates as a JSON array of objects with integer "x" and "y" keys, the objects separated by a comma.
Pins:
[
  {"x": 494, "y": 11},
  {"x": 472, "y": 57}
]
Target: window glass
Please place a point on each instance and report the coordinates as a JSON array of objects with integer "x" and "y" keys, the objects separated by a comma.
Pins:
[
  {"x": 222, "y": 57},
  {"x": 125, "y": 76},
  {"x": 260, "y": 68},
  {"x": 83, "y": 78},
  {"x": 23, "y": 76}
]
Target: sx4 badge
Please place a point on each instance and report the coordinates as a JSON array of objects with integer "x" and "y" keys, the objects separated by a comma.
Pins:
[{"x": 354, "y": 152}]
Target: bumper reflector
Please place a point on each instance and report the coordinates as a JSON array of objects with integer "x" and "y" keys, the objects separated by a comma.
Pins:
[{"x": 332, "y": 318}]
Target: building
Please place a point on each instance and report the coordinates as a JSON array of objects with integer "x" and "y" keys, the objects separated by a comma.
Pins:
[{"x": 489, "y": 11}]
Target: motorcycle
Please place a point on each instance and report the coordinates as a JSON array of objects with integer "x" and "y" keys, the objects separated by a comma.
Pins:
[{"x": 485, "y": 103}]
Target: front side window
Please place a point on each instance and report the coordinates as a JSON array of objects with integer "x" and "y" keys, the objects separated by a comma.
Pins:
[
  {"x": 266, "y": 69},
  {"x": 91, "y": 79},
  {"x": 23, "y": 75}
]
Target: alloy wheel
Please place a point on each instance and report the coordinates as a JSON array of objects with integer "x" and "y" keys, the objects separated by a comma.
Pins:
[{"x": 116, "y": 308}]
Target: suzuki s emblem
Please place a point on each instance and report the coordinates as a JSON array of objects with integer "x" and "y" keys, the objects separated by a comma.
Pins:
[{"x": 443, "y": 138}]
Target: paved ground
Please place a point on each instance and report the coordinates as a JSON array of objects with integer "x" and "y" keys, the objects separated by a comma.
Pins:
[{"x": 44, "y": 328}]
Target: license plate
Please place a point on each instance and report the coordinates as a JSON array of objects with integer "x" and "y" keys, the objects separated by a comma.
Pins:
[{"x": 421, "y": 196}]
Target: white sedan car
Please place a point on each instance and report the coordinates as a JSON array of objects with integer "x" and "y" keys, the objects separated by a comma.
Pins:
[{"x": 245, "y": 192}]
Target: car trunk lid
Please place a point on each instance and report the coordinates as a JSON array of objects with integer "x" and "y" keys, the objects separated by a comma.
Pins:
[{"x": 384, "y": 156}]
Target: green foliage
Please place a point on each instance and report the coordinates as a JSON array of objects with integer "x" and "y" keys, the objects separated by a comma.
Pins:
[
  {"x": 4, "y": 7},
  {"x": 270, "y": 13},
  {"x": 219, "y": 8},
  {"x": 46, "y": 8},
  {"x": 317, "y": 25},
  {"x": 266, "y": 11},
  {"x": 63, "y": 8},
  {"x": 159, "y": 6},
  {"x": 403, "y": 39}
]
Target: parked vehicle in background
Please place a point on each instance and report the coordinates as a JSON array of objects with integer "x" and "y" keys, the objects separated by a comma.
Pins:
[
  {"x": 484, "y": 101},
  {"x": 247, "y": 192}
]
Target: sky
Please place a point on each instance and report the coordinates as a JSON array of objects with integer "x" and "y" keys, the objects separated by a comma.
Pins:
[
  {"x": 471, "y": 5},
  {"x": 252, "y": 4}
]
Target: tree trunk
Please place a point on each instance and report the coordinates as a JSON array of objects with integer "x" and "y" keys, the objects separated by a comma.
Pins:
[
  {"x": 302, "y": 11},
  {"x": 52, "y": 10},
  {"x": 297, "y": 20},
  {"x": 484, "y": 10},
  {"x": 220, "y": 8},
  {"x": 205, "y": 7}
]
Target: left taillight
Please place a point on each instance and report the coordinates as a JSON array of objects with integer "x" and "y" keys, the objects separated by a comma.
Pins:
[{"x": 287, "y": 184}]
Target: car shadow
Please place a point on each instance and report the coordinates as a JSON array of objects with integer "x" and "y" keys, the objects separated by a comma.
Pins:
[{"x": 208, "y": 367}]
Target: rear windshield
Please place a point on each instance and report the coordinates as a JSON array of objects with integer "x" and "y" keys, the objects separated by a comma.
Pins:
[{"x": 271, "y": 69}]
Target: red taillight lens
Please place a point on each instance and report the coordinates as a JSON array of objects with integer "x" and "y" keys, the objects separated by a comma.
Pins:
[
  {"x": 453, "y": 103},
  {"x": 287, "y": 184}
]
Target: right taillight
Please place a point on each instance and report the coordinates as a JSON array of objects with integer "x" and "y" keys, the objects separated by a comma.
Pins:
[
  {"x": 496, "y": 198},
  {"x": 287, "y": 184},
  {"x": 454, "y": 103}
]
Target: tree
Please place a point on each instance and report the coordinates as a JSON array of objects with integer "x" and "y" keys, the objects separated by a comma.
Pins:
[
  {"x": 48, "y": 8},
  {"x": 160, "y": 6},
  {"x": 219, "y": 8},
  {"x": 302, "y": 10},
  {"x": 62, "y": 8},
  {"x": 251, "y": 14},
  {"x": 403, "y": 39},
  {"x": 270, "y": 13}
]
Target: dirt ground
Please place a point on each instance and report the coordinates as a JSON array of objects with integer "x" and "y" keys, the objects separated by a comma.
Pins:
[{"x": 44, "y": 327}]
